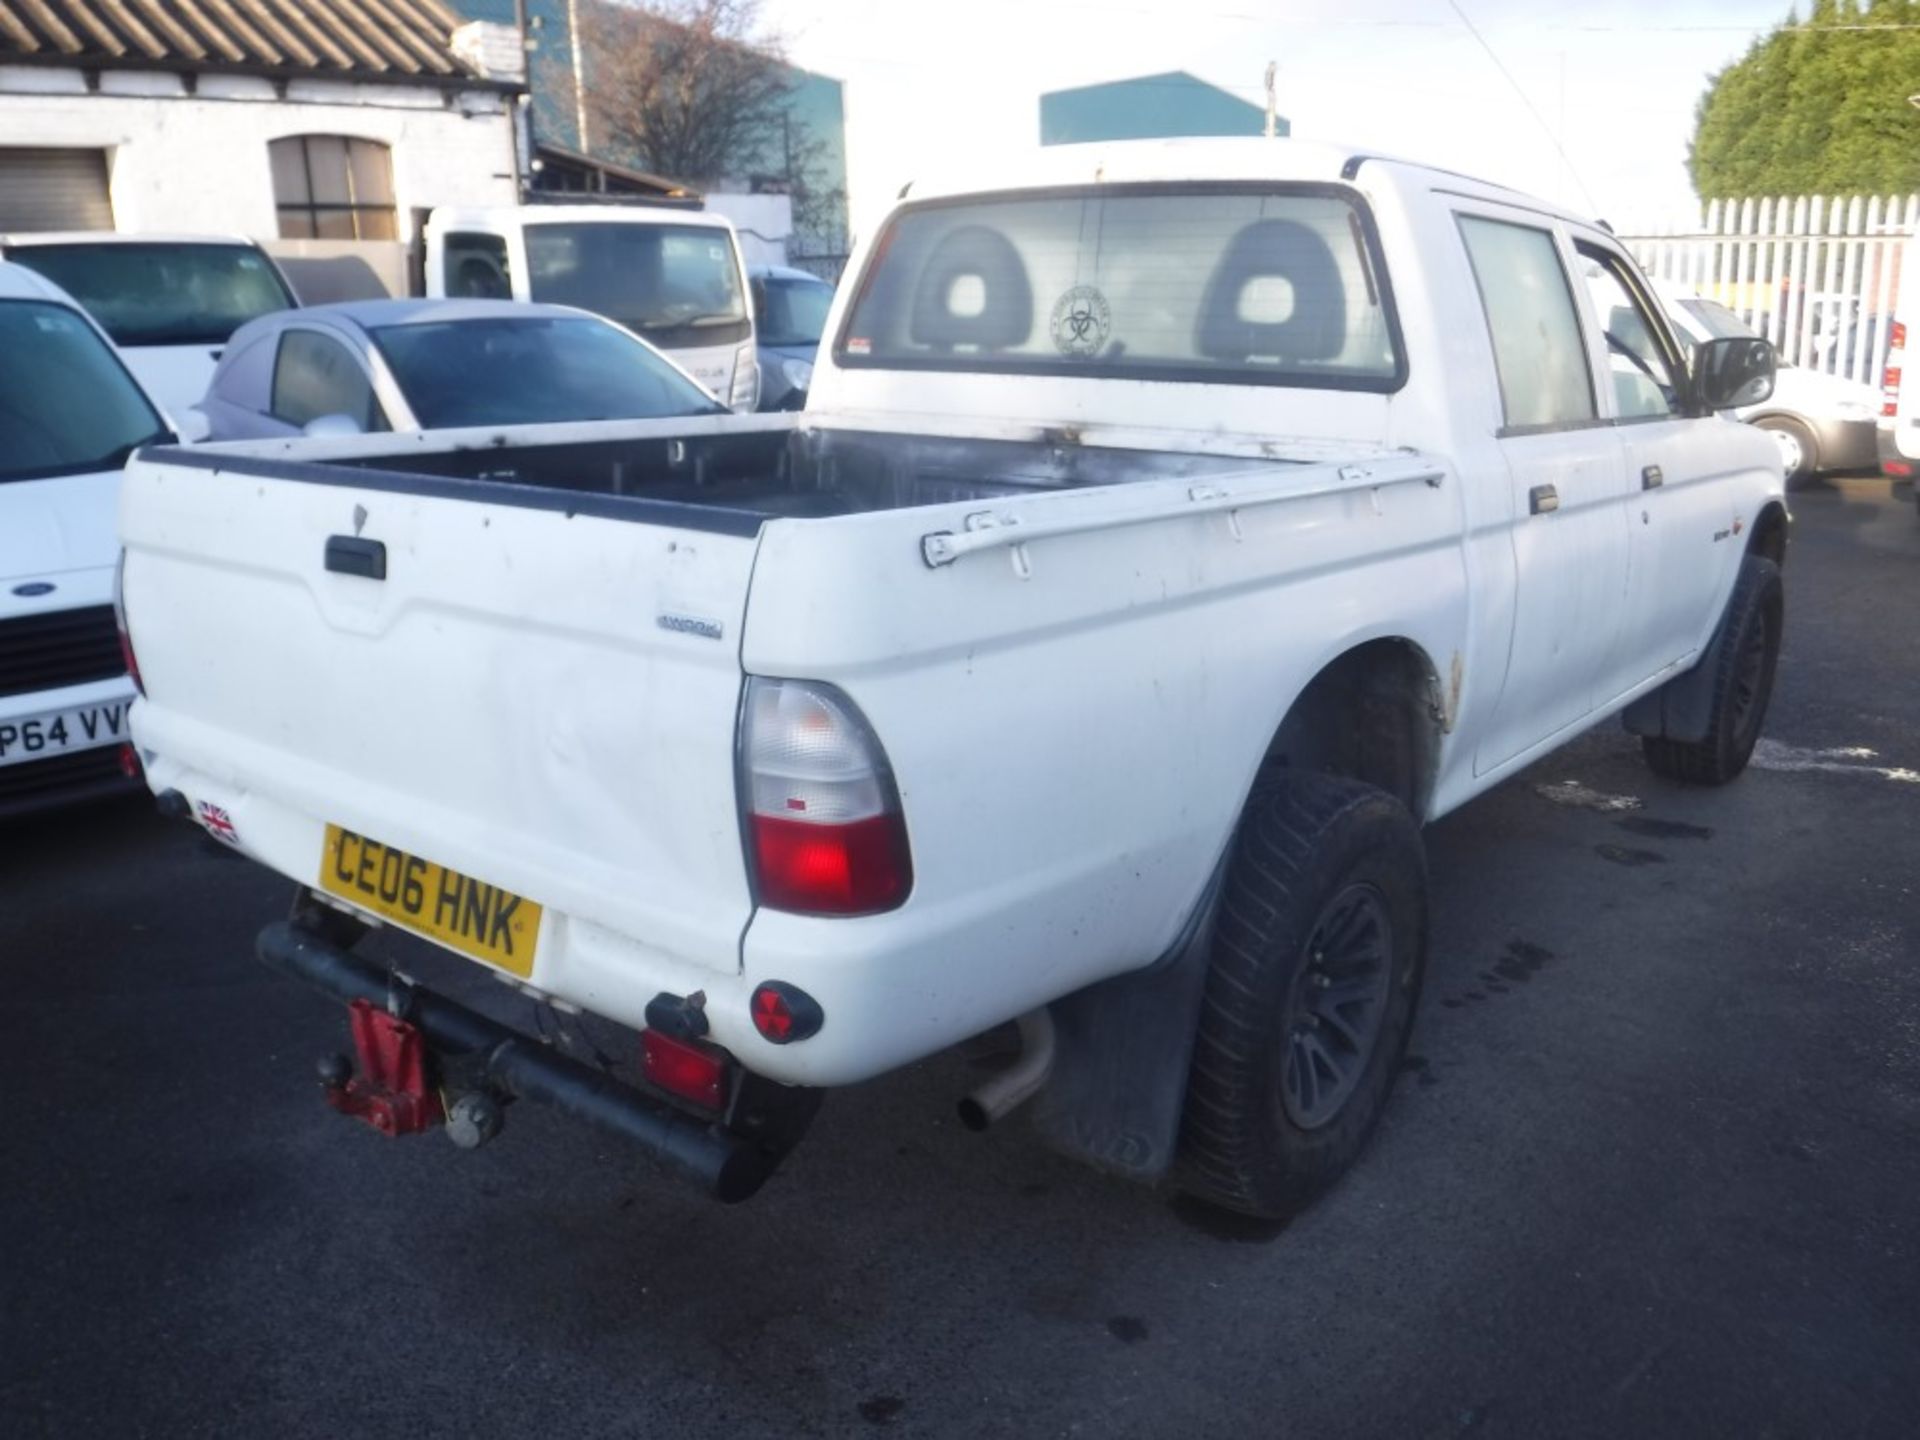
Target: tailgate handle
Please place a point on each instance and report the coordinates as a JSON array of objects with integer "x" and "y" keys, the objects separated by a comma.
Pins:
[{"x": 351, "y": 555}]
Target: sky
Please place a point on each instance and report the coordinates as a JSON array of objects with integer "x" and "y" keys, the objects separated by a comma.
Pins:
[{"x": 1596, "y": 115}]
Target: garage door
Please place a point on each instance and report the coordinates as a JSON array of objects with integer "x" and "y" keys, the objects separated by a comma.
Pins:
[{"x": 54, "y": 190}]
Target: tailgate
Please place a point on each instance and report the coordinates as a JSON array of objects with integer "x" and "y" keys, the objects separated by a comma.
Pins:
[{"x": 541, "y": 693}]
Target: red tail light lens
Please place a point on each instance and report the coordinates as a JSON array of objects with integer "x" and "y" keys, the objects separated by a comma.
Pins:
[
  {"x": 1897, "y": 335},
  {"x": 120, "y": 623},
  {"x": 825, "y": 832}
]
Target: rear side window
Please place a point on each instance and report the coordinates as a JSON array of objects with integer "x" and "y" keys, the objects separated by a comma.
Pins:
[
  {"x": 476, "y": 267},
  {"x": 315, "y": 376},
  {"x": 67, "y": 406},
  {"x": 1238, "y": 285},
  {"x": 1537, "y": 345}
]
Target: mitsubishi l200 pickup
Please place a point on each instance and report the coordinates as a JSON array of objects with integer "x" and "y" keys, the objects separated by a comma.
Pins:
[{"x": 1171, "y": 531}]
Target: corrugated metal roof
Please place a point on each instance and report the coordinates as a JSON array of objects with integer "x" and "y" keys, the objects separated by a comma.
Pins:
[{"x": 385, "y": 39}]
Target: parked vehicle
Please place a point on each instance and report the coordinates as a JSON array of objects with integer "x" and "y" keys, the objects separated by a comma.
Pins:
[
  {"x": 1820, "y": 422},
  {"x": 1172, "y": 529},
  {"x": 70, "y": 414},
  {"x": 671, "y": 275},
  {"x": 790, "y": 312},
  {"x": 170, "y": 302},
  {"x": 372, "y": 365},
  {"x": 1898, "y": 435}
]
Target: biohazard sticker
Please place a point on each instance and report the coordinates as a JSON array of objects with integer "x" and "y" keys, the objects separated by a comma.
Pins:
[{"x": 1081, "y": 322}]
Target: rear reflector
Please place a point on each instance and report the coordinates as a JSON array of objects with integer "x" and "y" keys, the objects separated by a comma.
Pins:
[
  {"x": 784, "y": 1013},
  {"x": 686, "y": 1068},
  {"x": 825, "y": 832}
]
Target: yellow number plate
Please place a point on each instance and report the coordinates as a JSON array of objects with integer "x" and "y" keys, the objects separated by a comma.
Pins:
[{"x": 462, "y": 913}]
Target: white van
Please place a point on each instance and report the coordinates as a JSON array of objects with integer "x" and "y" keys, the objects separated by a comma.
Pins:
[
  {"x": 673, "y": 276},
  {"x": 1899, "y": 433},
  {"x": 70, "y": 415},
  {"x": 170, "y": 302}
]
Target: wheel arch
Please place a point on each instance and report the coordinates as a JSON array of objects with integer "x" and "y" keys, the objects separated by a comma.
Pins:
[
  {"x": 1375, "y": 712},
  {"x": 1770, "y": 531}
]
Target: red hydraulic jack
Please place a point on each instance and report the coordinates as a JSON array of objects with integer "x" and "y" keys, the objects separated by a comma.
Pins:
[{"x": 391, "y": 1092}]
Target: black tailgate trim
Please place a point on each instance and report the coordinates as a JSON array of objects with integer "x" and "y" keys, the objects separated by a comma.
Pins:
[{"x": 636, "y": 509}]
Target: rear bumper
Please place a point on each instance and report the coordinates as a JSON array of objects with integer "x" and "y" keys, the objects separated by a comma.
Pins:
[
  {"x": 727, "y": 1166},
  {"x": 1847, "y": 444}
]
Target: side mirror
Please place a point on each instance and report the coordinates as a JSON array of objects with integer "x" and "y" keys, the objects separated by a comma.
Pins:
[
  {"x": 194, "y": 427},
  {"x": 1732, "y": 371},
  {"x": 329, "y": 425}
]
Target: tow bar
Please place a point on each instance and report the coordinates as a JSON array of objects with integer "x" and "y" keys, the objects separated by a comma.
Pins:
[{"x": 400, "y": 1029}]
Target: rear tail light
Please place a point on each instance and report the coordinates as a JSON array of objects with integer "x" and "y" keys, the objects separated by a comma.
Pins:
[
  {"x": 825, "y": 834},
  {"x": 1890, "y": 377},
  {"x": 120, "y": 623}
]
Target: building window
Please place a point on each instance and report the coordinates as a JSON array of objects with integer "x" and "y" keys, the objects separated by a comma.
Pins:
[{"x": 331, "y": 187}]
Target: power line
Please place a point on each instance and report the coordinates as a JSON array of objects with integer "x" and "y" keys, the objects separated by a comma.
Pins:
[{"x": 1539, "y": 119}]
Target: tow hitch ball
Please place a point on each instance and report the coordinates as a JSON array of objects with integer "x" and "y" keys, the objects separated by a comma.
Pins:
[{"x": 391, "y": 1091}]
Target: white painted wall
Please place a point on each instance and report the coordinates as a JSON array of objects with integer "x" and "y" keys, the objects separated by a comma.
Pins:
[{"x": 198, "y": 163}]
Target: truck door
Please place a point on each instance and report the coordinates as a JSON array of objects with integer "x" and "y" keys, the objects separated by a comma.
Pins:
[
  {"x": 1678, "y": 493},
  {"x": 1565, "y": 468}
]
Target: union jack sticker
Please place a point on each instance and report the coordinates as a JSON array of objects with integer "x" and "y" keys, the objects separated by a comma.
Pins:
[{"x": 218, "y": 823}]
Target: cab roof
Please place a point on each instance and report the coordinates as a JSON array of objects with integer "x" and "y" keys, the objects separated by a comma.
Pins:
[
  {"x": 116, "y": 237},
  {"x": 1202, "y": 159}
]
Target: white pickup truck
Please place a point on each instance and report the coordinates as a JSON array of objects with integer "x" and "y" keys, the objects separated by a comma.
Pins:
[{"x": 1171, "y": 531}]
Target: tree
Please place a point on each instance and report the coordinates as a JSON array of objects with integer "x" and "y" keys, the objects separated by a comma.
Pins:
[
  {"x": 1818, "y": 106},
  {"x": 684, "y": 88}
]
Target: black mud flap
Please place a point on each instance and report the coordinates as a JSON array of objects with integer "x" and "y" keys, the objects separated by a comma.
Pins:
[
  {"x": 1681, "y": 709},
  {"x": 1122, "y": 1049}
]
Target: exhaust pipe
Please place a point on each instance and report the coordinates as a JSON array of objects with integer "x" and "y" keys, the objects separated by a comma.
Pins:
[{"x": 1020, "y": 1081}]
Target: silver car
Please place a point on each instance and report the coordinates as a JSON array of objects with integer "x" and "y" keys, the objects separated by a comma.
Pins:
[{"x": 371, "y": 365}]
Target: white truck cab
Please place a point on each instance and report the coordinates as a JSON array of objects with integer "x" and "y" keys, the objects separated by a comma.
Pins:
[
  {"x": 169, "y": 302},
  {"x": 70, "y": 414},
  {"x": 672, "y": 275}
]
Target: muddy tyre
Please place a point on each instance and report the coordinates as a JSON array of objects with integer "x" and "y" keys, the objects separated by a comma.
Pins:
[
  {"x": 1318, "y": 953},
  {"x": 1745, "y": 657}
]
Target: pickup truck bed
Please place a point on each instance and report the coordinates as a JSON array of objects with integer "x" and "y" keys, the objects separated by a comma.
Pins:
[{"x": 780, "y": 472}]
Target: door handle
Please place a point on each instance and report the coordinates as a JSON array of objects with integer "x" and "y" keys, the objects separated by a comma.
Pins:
[
  {"x": 352, "y": 555},
  {"x": 1651, "y": 478},
  {"x": 1542, "y": 500}
]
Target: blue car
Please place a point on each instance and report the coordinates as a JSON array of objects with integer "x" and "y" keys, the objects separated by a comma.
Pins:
[{"x": 790, "y": 310}]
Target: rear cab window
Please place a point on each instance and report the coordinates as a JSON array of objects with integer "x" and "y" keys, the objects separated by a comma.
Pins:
[
  {"x": 1242, "y": 284},
  {"x": 162, "y": 292},
  {"x": 67, "y": 404}
]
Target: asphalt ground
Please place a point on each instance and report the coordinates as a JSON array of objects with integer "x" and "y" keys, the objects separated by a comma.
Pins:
[{"x": 1653, "y": 1167}]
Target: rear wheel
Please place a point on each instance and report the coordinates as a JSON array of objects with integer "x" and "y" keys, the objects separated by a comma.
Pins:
[
  {"x": 1745, "y": 660},
  {"x": 1315, "y": 974},
  {"x": 1799, "y": 451}
]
